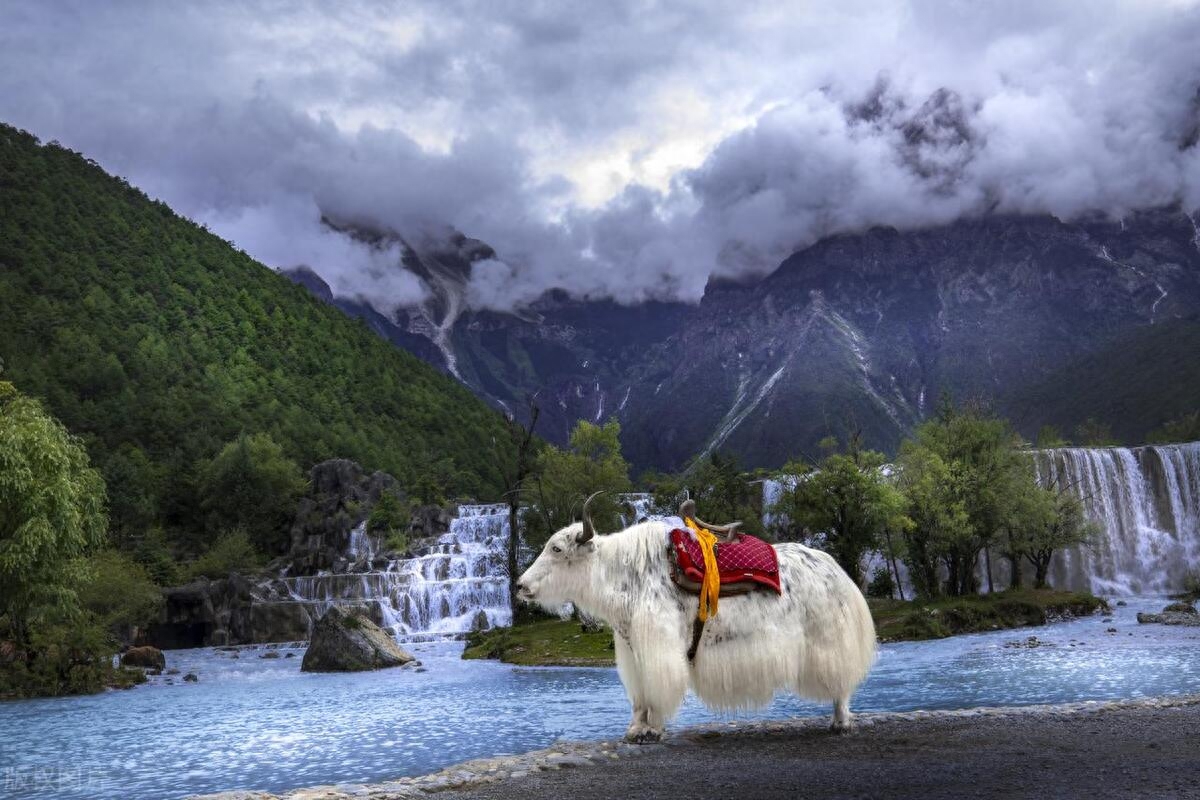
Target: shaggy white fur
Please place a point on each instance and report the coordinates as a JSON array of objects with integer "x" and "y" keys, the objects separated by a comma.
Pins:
[{"x": 817, "y": 639}]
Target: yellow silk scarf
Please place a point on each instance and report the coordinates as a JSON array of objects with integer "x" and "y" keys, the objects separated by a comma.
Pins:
[{"x": 710, "y": 590}]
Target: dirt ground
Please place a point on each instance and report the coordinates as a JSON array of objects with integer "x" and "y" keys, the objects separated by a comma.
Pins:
[{"x": 1118, "y": 753}]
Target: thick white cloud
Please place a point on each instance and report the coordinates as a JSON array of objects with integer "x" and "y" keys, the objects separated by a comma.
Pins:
[{"x": 628, "y": 149}]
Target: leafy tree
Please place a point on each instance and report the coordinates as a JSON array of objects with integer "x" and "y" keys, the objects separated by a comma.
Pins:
[
  {"x": 232, "y": 551},
  {"x": 845, "y": 506},
  {"x": 564, "y": 478},
  {"x": 1052, "y": 519},
  {"x": 251, "y": 485},
  {"x": 981, "y": 456},
  {"x": 1094, "y": 433},
  {"x": 51, "y": 514},
  {"x": 938, "y": 513},
  {"x": 1048, "y": 436},
  {"x": 723, "y": 493}
]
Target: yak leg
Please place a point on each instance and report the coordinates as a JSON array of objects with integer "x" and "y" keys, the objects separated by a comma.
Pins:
[
  {"x": 843, "y": 720},
  {"x": 639, "y": 730},
  {"x": 655, "y": 692}
]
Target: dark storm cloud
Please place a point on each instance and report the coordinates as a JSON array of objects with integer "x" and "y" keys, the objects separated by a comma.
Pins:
[{"x": 626, "y": 150}]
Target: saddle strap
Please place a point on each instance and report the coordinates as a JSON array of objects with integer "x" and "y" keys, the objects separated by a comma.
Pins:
[{"x": 697, "y": 631}]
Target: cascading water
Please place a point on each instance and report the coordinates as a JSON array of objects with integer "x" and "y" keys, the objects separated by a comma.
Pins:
[
  {"x": 773, "y": 490},
  {"x": 635, "y": 507},
  {"x": 458, "y": 584},
  {"x": 1147, "y": 502}
]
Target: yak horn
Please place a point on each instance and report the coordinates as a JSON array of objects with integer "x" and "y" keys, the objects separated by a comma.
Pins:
[
  {"x": 589, "y": 530},
  {"x": 687, "y": 510}
]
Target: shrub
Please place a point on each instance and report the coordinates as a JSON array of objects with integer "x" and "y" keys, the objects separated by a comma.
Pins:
[
  {"x": 396, "y": 541},
  {"x": 882, "y": 584},
  {"x": 64, "y": 656},
  {"x": 120, "y": 593}
]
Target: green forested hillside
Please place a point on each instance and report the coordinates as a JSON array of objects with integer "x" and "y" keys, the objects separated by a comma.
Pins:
[
  {"x": 158, "y": 342},
  {"x": 1133, "y": 386}
]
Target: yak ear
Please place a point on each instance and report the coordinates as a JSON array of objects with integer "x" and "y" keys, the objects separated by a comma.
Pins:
[{"x": 589, "y": 530}]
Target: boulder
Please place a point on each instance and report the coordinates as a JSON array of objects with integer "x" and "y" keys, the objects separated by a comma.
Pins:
[
  {"x": 1180, "y": 608},
  {"x": 1188, "y": 618},
  {"x": 279, "y": 621},
  {"x": 147, "y": 657},
  {"x": 346, "y": 641}
]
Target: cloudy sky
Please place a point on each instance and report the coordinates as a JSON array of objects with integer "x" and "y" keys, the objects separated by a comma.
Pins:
[{"x": 615, "y": 149}]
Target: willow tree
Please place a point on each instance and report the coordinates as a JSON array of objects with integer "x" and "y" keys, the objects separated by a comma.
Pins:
[{"x": 51, "y": 514}]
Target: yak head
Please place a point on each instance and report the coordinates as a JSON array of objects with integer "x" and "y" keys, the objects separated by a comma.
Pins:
[{"x": 563, "y": 569}]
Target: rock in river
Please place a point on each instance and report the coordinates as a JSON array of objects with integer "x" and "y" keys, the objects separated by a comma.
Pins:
[
  {"x": 148, "y": 657},
  {"x": 1174, "y": 614},
  {"x": 344, "y": 641}
]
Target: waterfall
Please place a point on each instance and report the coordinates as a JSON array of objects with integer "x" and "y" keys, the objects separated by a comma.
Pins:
[
  {"x": 360, "y": 546},
  {"x": 1147, "y": 503},
  {"x": 457, "y": 584},
  {"x": 773, "y": 490},
  {"x": 634, "y": 507}
]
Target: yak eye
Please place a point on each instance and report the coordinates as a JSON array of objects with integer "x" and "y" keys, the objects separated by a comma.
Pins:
[{"x": 557, "y": 549}]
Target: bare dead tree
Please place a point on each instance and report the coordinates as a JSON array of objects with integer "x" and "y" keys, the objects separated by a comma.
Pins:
[{"x": 514, "y": 467}]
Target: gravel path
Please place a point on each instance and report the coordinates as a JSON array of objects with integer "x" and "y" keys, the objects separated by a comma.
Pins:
[{"x": 1135, "y": 749}]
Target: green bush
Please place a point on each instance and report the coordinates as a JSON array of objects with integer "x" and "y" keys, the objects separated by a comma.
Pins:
[
  {"x": 64, "y": 656},
  {"x": 120, "y": 593},
  {"x": 396, "y": 541},
  {"x": 390, "y": 514},
  {"x": 231, "y": 552},
  {"x": 882, "y": 584}
]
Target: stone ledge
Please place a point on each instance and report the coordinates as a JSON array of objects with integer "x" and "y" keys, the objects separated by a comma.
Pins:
[{"x": 571, "y": 755}]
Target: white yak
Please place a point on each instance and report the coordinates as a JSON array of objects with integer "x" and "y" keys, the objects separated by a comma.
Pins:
[{"x": 817, "y": 639}]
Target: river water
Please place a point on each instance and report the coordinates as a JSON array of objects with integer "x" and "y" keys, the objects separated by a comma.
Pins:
[{"x": 262, "y": 724}]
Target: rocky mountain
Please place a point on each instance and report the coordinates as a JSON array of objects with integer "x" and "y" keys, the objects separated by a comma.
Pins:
[{"x": 864, "y": 330}]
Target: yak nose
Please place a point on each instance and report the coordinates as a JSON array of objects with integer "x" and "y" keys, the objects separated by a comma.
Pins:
[{"x": 523, "y": 591}]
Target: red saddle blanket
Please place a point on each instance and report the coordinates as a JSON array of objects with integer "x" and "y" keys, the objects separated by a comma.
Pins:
[{"x": 745, "y": 559}]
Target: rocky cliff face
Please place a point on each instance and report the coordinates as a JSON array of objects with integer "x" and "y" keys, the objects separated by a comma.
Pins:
[
  {"x": 329, "y": 537},
  {"x": 865, "y": 330}
]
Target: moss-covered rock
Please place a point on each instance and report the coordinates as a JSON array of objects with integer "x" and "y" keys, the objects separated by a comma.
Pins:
[{"x": 345, "y": 641}]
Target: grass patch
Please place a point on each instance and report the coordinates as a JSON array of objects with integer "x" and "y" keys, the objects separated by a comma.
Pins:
[
  {"x": 543, "y": 643},
  {"x": 897, "y": 620}
]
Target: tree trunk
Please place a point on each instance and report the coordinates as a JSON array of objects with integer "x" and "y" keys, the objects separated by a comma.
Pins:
[
  {"x": 1015, "y": 565},
  {"x": 514, "y": 540},
  {"x": 1040, "y": 569},
  {"x": 987, "y": 561},
  {"x": 892, "y": 558}
]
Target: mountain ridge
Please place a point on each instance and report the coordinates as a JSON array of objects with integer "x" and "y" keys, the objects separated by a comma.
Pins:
[{"x": 860, "y": 330}]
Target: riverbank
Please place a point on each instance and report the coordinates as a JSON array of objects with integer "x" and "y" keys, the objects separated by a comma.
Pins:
[
  {"x": 555, "y": 642},
  {"x": 1138, "y": 748}
]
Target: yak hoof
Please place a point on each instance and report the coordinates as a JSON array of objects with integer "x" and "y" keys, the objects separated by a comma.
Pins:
[
  {"x": 841, "y": 727},
  {"x": 643, "y": 736}
]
